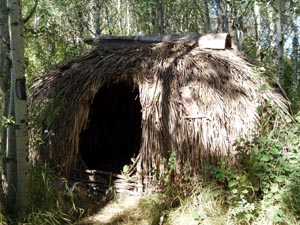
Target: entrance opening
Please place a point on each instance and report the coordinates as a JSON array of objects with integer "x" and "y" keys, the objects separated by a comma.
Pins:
[{"x": 113, "y": 135}]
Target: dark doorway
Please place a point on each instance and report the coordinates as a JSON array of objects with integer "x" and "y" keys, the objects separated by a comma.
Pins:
[{"x": 113, "y": 135}]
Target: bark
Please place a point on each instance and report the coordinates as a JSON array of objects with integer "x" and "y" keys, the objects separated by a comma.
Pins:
[
  {"x": 258, "y": 31},
  {"x": 161, "y": 16},
  {"x": 119, "y": 17},
  {"x": 226, "y": 17},
  {"x": 220, "y": 17},
  {"x": 4, "y": 72},
  {"x": 271, "y": 36},
  {"x": 11, "y": 155},
  {"x": 96, "y": 18},
  {"x": 128, "y": 17},
  {"x": 207, "y": 18},
  {"x": 280, "y": 42},
  {"x": 4, "y": 82},
  {"x": 295, "y": 52},
  {"x": 17, "y": 71}
]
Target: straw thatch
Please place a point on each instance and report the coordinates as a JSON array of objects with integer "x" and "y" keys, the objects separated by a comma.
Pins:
[{"x": 195, "y": 103}]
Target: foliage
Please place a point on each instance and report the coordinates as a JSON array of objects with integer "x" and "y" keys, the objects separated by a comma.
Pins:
[
  {"x": 51, "y": 36},
  {"x": 292, "y": 89},
  {"x": 3, "y": 219},
  {"x": 41, "y": 117},
  {"x": 265, "y": 179},
  {"x": 178, "y": 187},
  {"x": 51, "y": 199}
]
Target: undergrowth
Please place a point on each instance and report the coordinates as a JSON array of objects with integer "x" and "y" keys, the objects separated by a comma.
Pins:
[
  {"x": 50, "y": 199},
  {"x": 263, "y": 187},
  {"x": 53, "y": 201}
]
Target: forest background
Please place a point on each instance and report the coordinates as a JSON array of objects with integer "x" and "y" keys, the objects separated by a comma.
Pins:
[{"x": 266, "y": 31}]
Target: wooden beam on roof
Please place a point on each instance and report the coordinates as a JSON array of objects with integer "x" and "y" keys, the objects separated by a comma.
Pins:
[
  {"x": 208, "y": 41},
  {"x": 215, "y": 41}
]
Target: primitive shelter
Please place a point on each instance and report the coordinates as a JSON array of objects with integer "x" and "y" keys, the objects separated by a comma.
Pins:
[{"x": 148, "y": 99}]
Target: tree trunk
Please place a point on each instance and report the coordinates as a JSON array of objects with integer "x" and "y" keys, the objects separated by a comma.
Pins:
[
  {"x": 96, "y": 18},
  {"x": 4, "y": 69},
  {"x": 120, "y": 17},
  {"x": 220, "y": 17},
  {"x": 128, "y": 17},
  {"x": 271, "y": 40},
  {"x": 295, "y": 52},
  {"x": 11, "y": 155},
  {"x": 17, "y": 71},
  {"x": 207, "y": 18},
  {"x": 8, "y": 147},
  {"x": 258, "y": 31},
  {"x": 280, "y": 42},
  {"x": 227, "y": 17},
  {"x": 161, "y": 16},
  {"x": 4, "y": 83}
]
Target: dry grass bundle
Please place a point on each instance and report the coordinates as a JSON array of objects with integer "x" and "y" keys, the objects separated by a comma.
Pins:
[{"x": 195, "y": 103}]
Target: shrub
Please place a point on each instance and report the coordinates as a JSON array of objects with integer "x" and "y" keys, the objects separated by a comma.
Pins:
[{"x": 265, "y": 180}]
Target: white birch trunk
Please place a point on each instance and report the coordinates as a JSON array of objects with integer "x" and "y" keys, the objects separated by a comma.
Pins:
[
  {"x": 4, "y": 83},
  {"x": 295, "y": 52},
  {"x": 17, "y": 71},
  {"x": 8, "y": 147},
  {"x": 280, "y": 42},
  {"x": 258, "y": 31},
  {"x": 11, "y": 154},
  {"x": 128, "y": 17},
  {"x": 271, "y": 35},
  {"x": 120, "y": 17},
  {"x": 4, "y": 71}
]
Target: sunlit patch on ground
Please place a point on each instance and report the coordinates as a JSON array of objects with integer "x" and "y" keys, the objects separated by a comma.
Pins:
[{"x": 129, "y": 210}]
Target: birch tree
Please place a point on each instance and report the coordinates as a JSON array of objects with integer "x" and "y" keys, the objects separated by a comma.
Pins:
[
  {"x": 4, "y": 82},
  {"x": 258, "y": 30},
  {"x": 8, "y": 141},
  {"x": 295, "y": 43},
  {"x": 20, "y": 104},
  {"x": 4, "y": 67},
  {"x": 279, "y": 38}
]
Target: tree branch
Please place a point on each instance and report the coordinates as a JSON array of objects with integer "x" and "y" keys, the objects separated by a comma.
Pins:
[{"x": 31, "y": 12}]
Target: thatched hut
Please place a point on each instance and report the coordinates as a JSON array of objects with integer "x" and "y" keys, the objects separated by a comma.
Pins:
[{"x": 133, "y": 98}]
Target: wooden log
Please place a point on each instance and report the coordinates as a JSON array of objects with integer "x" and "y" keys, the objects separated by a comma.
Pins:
[
  {"x": 215, "y": 41},
  {"x": 145, "y": 39},
  {"x": 205, "y": 41}
]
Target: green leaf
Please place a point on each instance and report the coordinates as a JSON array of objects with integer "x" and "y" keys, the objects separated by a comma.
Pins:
[
  {"x": 263, "y": 88},
  {"x": 234, "y": 191},
  {"x": 125, "y": 168},
  {"x": 274, "y": 188},
  {"x": 245, "y": 191},
  {"x": 255, "y": 151},
  {"x": 277, "y": 216},
  {"x": 280, "y": 179},
  {"x": 256, "y": 75},
  {"x": 274, "y": 151},
  {"x": 232, "y": 183},
  {"x": 265, "y": 158}
]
